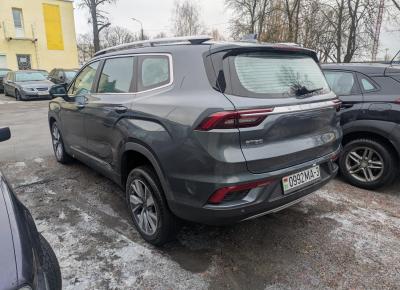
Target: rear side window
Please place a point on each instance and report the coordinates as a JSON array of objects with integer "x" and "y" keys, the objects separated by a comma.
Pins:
[
  {"x": 367, "y": 84},
  {"x": 342, "y": 83},
  {"x": 116, "y": 76},
  {"x": 154, "y": 72},
  {"x": 276, "y": 75}
]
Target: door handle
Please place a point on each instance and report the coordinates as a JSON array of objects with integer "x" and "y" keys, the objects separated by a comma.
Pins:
[
  {"x": 121, "y": 109},
  {"x": 347, "y": 105}
]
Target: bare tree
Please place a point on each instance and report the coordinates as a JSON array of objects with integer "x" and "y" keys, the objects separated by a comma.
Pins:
[
  {"x": 115, "y": 35},
  {"x": 186, "y": 18},
  {"x": 249, "y": 16},
  {"x": 98, "y": 18},
  {"x": 162, "y": 34},
  {"x": 85, "y": 47}
]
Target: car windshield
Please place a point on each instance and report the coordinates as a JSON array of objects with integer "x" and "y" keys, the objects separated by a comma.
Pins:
[
  {"x": 278, "y": 75},
  {"x": 70, "y": 74},
  {"x": 29, "y": 76},
  {"x": 45, "y": 73}
]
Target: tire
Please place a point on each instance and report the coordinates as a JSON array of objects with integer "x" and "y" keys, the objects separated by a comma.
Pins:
[
  {"x": 161, "y": 229},
  {"x": 18, "y": 95},
  {"x": 58, "y": 145},
  {"x": 50, "y": 265},
  {"x": 368, "y": 163}
]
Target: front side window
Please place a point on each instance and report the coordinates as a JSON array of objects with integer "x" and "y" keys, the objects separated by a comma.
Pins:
[
  {"x": 117, "y": 76},
  {"x": 342, "y": 83},
  {"x": 83, "y": 83},
  {"x": 276, "y": 75},
  {"x": 154, "y": 72}
]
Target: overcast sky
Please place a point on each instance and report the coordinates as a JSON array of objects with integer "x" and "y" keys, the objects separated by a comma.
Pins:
[{"x": 156, "y": 18}]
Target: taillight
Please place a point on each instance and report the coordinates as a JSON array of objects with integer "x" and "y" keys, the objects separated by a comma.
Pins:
[
  {"x": 397, "y": 101},
  {"x": 219, "y": 195},
  {"x": 234, "y": 119}
]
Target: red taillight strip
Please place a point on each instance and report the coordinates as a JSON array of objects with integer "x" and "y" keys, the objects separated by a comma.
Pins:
[
  {"x": 231, "y": 119},
  {"x": 234, "y": 119},
  {"x": 220, "y": 194}
]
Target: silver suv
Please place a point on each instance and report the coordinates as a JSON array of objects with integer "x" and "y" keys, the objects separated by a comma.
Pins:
[{"x": 211, "y": 132}]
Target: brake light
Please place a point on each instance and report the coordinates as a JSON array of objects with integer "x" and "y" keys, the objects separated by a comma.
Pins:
[
  {"x": 234, "y": 119},
  {"x": 397, "y": 101},
  {"x": 219, "y": 195}
]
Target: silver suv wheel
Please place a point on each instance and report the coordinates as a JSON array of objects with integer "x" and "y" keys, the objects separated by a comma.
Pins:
[
  {"x": 144, "y": 209},
  {"x": 365, "y": 164}
]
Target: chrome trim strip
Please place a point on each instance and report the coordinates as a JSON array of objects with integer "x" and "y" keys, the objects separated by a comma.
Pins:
[
  {"x": 274, "y": 210},
  {"x": 171, "y": 66},
  {"x": 303, "y": 107}
]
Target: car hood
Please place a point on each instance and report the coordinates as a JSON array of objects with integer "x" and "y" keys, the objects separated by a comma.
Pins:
[
  {"x": 8, "y": 274},
  {"x": 35, "y": 84}
]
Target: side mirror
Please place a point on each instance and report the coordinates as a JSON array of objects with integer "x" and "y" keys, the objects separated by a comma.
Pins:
[
  {"x": 5, "y": 134},
  {"x": 58, "y": 91}
]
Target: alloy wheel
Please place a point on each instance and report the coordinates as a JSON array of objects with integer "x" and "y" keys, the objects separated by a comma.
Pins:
[
  {"x": 57, "y": 142},
  {"x": 143, "y": 207},
  {"x": 364, "y": 164}
]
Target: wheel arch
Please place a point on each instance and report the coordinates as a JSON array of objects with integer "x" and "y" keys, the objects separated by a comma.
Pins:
[
  {"x": 134, "y": 155},
  {"x": 377, "y": 130}
]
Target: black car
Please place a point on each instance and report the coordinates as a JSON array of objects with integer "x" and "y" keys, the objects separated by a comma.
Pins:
[
  {"x": 370, "y": 118},
  {"x": 211, "y": 132},
  {"x": 27, "y": 261},
  {"x": 62, "y": 76},
  {"x": 3, "y": 73}
]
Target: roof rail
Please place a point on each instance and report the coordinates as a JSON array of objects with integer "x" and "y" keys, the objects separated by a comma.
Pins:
[{"x": 158, "y": 41}]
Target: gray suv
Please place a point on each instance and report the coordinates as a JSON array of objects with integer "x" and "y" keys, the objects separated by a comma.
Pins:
[{"x": 211, "y": 132}]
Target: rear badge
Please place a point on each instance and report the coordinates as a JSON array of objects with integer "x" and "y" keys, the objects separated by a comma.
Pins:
[{"x": 254, "y": 142}]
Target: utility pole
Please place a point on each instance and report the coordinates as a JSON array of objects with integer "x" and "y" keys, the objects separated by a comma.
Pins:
[
  {"x": 141, "y": 28},
  {"x": 377, "y": 31}
]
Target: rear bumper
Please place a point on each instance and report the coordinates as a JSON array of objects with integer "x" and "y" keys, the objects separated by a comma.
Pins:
[{"x": 264, "y": 200}]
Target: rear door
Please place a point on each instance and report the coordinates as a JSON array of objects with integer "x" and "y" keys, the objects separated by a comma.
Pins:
[
  {"x": 346, "y": 86},
  {"x": 286, "y": 113}
]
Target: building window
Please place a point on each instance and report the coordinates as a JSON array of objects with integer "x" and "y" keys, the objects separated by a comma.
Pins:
[
  {"x": 18, "y": 22},
  {"x": 3, "y": 61},
  {"x": 24, "y": 61}
]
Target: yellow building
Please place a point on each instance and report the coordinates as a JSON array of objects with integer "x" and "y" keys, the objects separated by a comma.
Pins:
[{"x": 37, "y": 34}]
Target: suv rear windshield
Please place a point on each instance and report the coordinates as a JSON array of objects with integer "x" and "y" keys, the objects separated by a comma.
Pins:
[{"x": 272, "y": 75}]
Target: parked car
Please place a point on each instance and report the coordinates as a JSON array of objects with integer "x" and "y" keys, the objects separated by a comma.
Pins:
[
  {"x": 62, "y": 76},
  {"x": 370, "y": 112},
  {"x": 3, "y": 73},
  {"x": 27, "y": 259},
  {"x": 206, "y": 131},
  {"x": 27, "y": 85}
]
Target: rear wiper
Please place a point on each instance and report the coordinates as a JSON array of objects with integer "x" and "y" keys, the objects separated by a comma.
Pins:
[{"x": 304, "y": 91}]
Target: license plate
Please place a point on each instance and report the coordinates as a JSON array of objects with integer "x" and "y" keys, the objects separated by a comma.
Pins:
[
  {"x": 42, "y": 93},
  {"x": 300, "y": 179}
]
